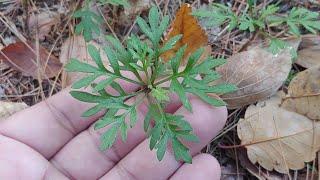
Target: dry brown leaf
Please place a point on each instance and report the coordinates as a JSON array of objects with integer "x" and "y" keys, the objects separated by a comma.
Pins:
[
  {"x": 22, "y": 57},
  {"x": 136, "y": 7},
  {"x": 42, "y": 23},
  {"x": 9, "y": 108},
  {"x": 257, "y": 73},
  {"x": 309, "y": 54},
  {"x": 193, "y": 36},
  {"x": 76, "y": 47},
  {"x": 304, "y": 94},
  {"x": 276, "y": 138}
]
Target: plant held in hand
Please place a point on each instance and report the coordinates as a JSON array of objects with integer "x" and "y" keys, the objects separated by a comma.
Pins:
[{"x": 144, "y": 59}]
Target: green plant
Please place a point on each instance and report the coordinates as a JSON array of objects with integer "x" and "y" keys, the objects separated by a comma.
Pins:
[
  {"x": 140, "y": 57},
  {"x": 90, "y": 21},
  {"x": 256, "y": 20}
]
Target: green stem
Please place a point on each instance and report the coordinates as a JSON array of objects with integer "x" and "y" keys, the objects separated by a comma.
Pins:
[{"x": 130, "y": 80}]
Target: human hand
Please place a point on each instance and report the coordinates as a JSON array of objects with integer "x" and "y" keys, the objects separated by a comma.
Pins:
[{"x": 52, "y": 141}]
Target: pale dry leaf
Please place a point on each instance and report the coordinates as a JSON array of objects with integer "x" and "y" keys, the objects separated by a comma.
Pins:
[
  {"x": 76, "y": 47},
  {"x": 43, "y": 23},
  {"x": 304, "y": 94},
  {"x": 309, "y": 53},
  {"x": 255, "y": 170},
  {"x": 9, "y": 108},
  {"x": 257, "y": 73},
  {"x": 277, "y": 138}
]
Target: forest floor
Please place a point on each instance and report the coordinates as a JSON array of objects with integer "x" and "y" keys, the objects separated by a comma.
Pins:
[{"x": 18, "y": 23}]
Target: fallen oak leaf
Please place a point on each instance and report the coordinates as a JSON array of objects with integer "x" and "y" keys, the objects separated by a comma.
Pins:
[
  {"x": 309, "y": 53},
  {"x": 304, "y": 94},
  {"x": 192, "y": 34},
  {"x": 257, "y": 73},
  {"x": 277, "y": 138},
  {"x": 22, "y": 57}
]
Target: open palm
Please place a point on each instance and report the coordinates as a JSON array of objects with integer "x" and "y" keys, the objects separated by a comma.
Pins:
[{"x": 52, "y": 141}]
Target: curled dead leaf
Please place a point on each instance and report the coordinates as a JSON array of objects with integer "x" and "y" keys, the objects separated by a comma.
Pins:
[
  {"x": 23, "y": 57},
  {"x": 193, "y": 36},
  {"x": 304, "y": 94},
  {"x": 278, "y": 139},
  {"x": 9, "y": 108},
  {"x": 76, "y": 47},
  {"x": 309, "y": 53},
  {"x": 257, "y": 73}
]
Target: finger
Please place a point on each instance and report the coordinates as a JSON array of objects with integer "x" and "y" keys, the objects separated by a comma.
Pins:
[
  {"x": 85, "y": 148},
  {"x": 19, "y": 161},
  {"x": 204, "y": 166},
  {"x": 141, "y": 163},
  {"x": 81, "y": 158},
  {"x": 49, "y": 125}
]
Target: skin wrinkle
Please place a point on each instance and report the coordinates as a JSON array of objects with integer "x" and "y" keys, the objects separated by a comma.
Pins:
[
  {"x": 62, "y": 118},
  {"x": 61, "y": 169},
  {"x": 113, "y": 150},
  {"x": 123, "y": 172}
]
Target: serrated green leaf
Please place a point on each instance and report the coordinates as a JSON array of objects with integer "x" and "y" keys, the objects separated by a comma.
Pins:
[
  {"x": 86, "y": 81},
  {"x": 192, "y": 60},
  {"x": 107, "y": 119},
  {"x": 147, "y": 118},
  {"x": 86, "y": 97},
  {"x": 118, "y": 88},
  {"x": 76, "y": 66},
  {"x": 210, "y": 77},
  {"x": 113, "y": 60},
  {"x": 181, "y": 152},
  {"x": 104, "y": 83},
  {"x": 277, "y": 45},
  {"x": 162, "y": 146},
  {"x": 108, "y": 138},
  {"x": 293, "y": 28},
  {"x": 133, "y": 117},
  {"x": 154, "y": 18},
  {"x": 163, "y": 26},
  {"x": 144, "y": 28},
  {"x": 206, "y": 98},
  {"x": 89, "y": 23},
  {"x": 124, "y": 131},
  {"x": 116, "y": 105},
  {"x": 170, "y": 43},
  {"x": 221, "y": 89},
  {"x": 136, "y": 66},
  {"x": 187, "y": 135},
  {"x": 95, "y": 55},
  {"x": 155, "y": 135},
  {"x": 176, "y": 60},
  {"x": 179, "y": 90},
  {"x": 160, "y": 94},
  {"x": 92, "y": 111},
  {"x": 179, "y": 122},
  {"x": 118, "y": 47},
  {"x": 206, "y": 67}
]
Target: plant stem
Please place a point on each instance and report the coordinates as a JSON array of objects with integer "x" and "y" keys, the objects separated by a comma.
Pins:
[{"x": 131, "y": 80}]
